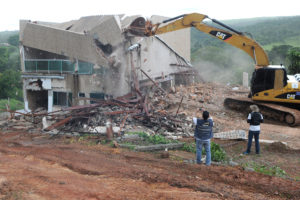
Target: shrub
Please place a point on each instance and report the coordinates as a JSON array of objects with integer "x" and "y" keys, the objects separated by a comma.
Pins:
[
  {"x": 13, "y": 104},
  {"x": 191, "y": 147},
  {"x": 217, "y": 153}
]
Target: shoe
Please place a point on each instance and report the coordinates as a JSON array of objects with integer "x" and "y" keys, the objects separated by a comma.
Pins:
[{"x": 245, "y": 153}]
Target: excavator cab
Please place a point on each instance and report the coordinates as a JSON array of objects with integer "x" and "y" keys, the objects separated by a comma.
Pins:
[{"x": 268, "y": 79}]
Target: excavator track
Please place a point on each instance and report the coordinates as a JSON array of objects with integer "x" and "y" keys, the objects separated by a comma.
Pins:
[{"x": 269, "y": 110}]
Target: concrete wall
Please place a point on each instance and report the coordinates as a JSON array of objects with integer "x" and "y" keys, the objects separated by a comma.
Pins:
[
  {"x": 179, "y": 40},
  {"x": 70, "y": 44},
  {"x": 156, "y": 59}
]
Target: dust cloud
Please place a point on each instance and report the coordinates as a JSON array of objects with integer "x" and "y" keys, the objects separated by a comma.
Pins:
[
  {"x": 117, "y": 73},
  {"x": 227, "y": 68}
]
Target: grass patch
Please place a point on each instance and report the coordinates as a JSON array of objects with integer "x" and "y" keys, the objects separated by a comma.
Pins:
[
  {"x": 13, "y": 103},
  {"x": 129, "y": 145},
  {"x": 189, "y": 147},
  {"x": 85, "y": 139},
  {"x": 267, "y": 170},
  {"x": 217, "y": 153},
  {"x": 153, "y": 139},
  {"x": 271, "y": 171}
]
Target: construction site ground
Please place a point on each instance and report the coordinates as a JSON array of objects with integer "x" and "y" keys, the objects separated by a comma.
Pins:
[{"x": 42, "y": 166}]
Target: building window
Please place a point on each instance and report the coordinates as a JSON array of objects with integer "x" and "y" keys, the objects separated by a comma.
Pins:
[
  {"x": 81, "y": 94},
  {"x": 62, "y": 98},
  {"x": 96, "y": 96},
  {"x": 85, "y": 67}
]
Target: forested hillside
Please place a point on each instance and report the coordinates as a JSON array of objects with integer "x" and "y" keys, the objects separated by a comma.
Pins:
[
  {"x": 10, "y": 76},
  {"x": 277, "y": 35},
  {"x": 4, "y": 36}
]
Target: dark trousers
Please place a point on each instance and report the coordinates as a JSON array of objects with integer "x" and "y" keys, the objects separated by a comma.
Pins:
[{"x": 256, "y": 137}]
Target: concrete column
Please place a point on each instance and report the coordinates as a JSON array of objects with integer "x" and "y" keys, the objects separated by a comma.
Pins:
[
  {"x": 50, "y": 100},
  {"x": 245, "y": 79},
  {"x": 172, "y": 77},
  {"x": 22, "y": 58},
  {"x": 76, "y": 66},
  {"x": 87, "y": 95},
  {"x": 26, "y": 108}
]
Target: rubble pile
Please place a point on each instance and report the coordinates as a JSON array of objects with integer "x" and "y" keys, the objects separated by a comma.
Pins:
[
  {"x": 154, "y": 111},
  {"x": 130, "y": 112}
]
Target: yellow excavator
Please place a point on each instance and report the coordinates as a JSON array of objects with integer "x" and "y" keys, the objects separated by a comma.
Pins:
[{"x": 276, "y": 93}]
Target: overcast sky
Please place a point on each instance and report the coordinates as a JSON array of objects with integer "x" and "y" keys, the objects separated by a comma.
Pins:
[{"x": 11, "y": 11}]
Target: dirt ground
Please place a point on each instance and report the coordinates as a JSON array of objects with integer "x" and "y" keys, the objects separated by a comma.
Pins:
[{"x": 41, "y": 166}]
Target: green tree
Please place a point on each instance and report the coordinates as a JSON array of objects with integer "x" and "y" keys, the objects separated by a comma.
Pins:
[
  {"x": 14, "y": 60},
  {"x": 278, "y": 54},
  {"x": 294, "y": 59},
  {"x": 10, "y": 84},
  {"x": 9, "y": 58},
  {"x": 14, "y": 40},
  {"x": 3, "y": 58}
]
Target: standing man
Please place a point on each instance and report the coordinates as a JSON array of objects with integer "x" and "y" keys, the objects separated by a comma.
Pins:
[
  {"x": 203, "y": 134},
  {"x": 254, "y": 118}
]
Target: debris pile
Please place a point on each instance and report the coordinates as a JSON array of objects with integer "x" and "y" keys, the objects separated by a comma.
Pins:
[
  {"x": 130, "y": 112},
  {"x": 152, "y": 110}
]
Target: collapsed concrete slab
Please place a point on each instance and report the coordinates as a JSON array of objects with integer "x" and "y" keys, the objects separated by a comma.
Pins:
[{"x": 66, "y": 43}]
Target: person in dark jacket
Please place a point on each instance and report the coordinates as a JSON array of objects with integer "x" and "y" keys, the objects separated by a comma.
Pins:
[
  {"x": 203, "y": 134},
  {"x": 254, "y": 118}
]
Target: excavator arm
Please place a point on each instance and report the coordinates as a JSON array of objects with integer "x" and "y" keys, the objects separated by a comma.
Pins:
[{"x": 228, "y": 34}]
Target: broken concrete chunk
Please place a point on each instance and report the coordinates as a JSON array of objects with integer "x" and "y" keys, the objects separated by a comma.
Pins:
[
  {"x": 108, "y": 31},
  {"x": 173, "y": 137},
  {"x": 234, "y": 134},
  {"x": 4, "y": 115},
  {"x": 116, "y": 129},
  {"x": 130, "y": 137},
  {"x": 102, "y": 129},
  {"x": 46, "y": 123},
  {"x": 159, "y": 147},
  {"x": 53, "y": 132},
  {"x": 98, "y": 129}
]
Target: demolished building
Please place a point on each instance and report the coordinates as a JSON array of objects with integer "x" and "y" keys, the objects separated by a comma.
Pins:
[{"x": 73, "y": 63}]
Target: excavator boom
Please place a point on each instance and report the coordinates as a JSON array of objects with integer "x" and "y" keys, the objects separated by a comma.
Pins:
[{"x": 140, "y": 27}]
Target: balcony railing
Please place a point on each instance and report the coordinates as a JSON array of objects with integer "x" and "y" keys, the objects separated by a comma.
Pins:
[
  {"x": 49, "y": 66},
  {"x": 57, "y": 66}
]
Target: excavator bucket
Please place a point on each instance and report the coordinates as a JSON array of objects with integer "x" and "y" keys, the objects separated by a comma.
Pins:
[{"x": 138, "y": 27}]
